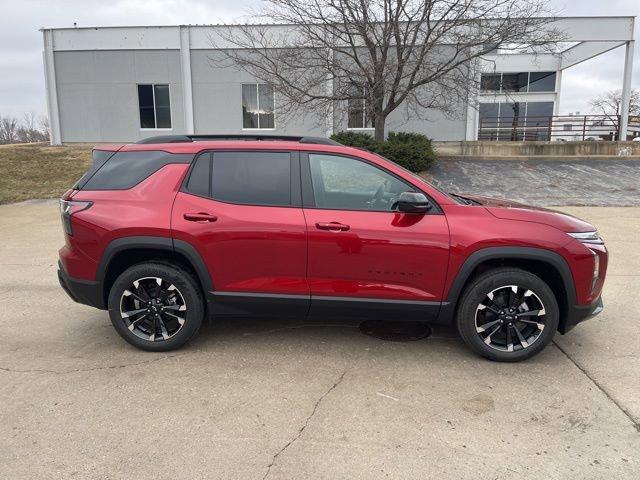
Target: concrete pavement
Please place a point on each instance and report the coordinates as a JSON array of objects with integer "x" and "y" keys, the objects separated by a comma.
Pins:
[{"x": 270, "y": 399}]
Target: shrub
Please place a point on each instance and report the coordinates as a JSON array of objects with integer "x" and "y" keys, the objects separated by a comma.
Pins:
[
  {"x": 355, "y": 139},
  {"x": 413, "y": 151}
]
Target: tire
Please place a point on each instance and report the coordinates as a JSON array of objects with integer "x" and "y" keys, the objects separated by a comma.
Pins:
[
  {"x": 156, "y": 315},
  {"x": 520, "y": 330}
]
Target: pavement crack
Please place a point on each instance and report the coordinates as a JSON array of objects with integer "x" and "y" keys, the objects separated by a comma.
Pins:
[
  {"x": 627, "y": 413},
  {"x": 304, "y": 425},
  {"x": 77, "y": 370}
]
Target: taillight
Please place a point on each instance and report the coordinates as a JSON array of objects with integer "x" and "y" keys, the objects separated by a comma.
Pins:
[{"x": 68, "y": 208}]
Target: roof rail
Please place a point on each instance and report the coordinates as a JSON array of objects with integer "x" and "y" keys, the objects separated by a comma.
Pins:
[{"x": 200, "y": 138}]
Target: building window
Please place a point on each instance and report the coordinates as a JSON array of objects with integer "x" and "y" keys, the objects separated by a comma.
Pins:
[
  {"x": 515, "y": 121},
  {"x": 542, "y": 82},
  {"x": 515, "y": 82},
  {"x": 258, "y": 105},
  {"x": 356, "y": 109},
  {"x": 154, "y": 103},
  {"x": 523, "y": 82},
  {"x": 490, "y": 82}
]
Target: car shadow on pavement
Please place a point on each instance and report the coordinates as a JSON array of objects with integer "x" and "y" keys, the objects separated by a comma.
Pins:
[{"x": 236, "y": 328}]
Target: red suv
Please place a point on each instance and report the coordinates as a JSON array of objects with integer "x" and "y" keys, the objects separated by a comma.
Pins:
[{"x": 168, "y": 231}]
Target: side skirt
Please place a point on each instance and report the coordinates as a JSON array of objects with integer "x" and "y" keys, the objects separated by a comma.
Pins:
[{"x": 270, "y": 305}]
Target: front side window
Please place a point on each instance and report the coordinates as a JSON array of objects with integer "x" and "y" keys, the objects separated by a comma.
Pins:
[
  {"x": 343, "y": 183},
  {"x": 356, "y": 109},
  {"x": 155, "y": 106},
  {"x": 258, "y": 105},
  {"x": 252, "y": 178}
]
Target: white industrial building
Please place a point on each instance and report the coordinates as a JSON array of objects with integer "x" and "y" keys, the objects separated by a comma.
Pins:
[{"x": 120, "y": 84}]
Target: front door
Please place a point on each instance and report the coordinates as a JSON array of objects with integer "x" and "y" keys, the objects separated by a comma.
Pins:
[
  {"x": 241, "y": 210},
  {"x": 365, "y": 259}
]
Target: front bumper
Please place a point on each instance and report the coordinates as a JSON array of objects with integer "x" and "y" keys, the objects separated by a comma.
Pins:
[
  {"x": 580, "y": 313},
  {"x": 82, "y": 291}
]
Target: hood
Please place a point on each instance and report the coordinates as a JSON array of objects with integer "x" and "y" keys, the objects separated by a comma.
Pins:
[{"x": 509, "y": 210}]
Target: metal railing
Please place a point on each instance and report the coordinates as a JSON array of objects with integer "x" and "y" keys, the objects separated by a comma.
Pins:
[{"x": 556, "y": 127}]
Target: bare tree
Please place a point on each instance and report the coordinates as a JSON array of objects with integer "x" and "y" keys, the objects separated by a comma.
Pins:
[
  {"x": 610, "y": 104},
  {"x": 384, "y": 53},
  {"x": 43, "y": 123},
  {"x": 30, "y": 130},
  {"x": 8, "y": 130}
]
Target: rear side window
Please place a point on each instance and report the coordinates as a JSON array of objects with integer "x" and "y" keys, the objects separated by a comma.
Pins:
[
  {"x": 200, "y": 177},
  {"x": 124, "y": 170},
  {"x": 98, "y": 158},
  {"x": 253, "y": 178}
]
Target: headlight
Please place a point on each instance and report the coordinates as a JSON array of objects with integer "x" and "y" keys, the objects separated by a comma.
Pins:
[{"x": 587, "y": 237}]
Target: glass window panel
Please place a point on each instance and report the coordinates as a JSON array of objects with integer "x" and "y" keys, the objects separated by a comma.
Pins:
[
  {"x": 124, "y": 170},
  {"x": 487, "y": 128},
  {"x": 266, "y": 106},
  {"x": 145, "y": 103},
  {"x": 515, "y": 82},
  {"x": 490, "y": 83},
  {"x": 539, "y": 113},
  {"x": 199, "y": 179},
  {"x": 145, "y": 96},
  {"x": 163, "y": 117},
  {"x": 162, "y": 96},
  {"x": 344, "y": 183},
  {"x": 512, "y": 121},
  {"x": 147, "y": 118},
  {"x": 255, "y": 178},
  {"x": 249, "y": 106},
  {"x": 542, "y": 82},
  {"x": 356, "y": 113}
]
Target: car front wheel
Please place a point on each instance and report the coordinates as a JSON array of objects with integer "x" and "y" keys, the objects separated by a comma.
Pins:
[{"x": 507, "y": 315}]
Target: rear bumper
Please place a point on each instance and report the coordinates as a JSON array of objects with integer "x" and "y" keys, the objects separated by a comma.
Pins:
[
  {"x": 82, "y": 291},
  {"x": 580, "y": 313}
]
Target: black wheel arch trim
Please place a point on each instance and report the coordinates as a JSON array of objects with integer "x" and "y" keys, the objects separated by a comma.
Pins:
[
  {"x": 160, "y": 243},
  {"x": 549, "y": 257}
]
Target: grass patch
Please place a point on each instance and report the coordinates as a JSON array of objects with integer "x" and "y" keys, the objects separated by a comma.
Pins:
[{"x": 40, "y": 171}]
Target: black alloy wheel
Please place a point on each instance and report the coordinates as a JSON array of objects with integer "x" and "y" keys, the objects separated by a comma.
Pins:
[
  {"x": 156, "y": 306},
  {"x": 153, "y": 309},
  {"x": 507, "y": 314}
]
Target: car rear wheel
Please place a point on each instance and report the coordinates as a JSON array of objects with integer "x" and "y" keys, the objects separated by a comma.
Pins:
[
  {"x": 156, "y": 306},
  {"x": 507, "y": 315}
]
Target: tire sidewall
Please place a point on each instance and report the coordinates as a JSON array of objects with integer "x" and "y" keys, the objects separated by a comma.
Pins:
[
  {"x": 490, "y": 281},
  {"x": 183, "y": 282}
]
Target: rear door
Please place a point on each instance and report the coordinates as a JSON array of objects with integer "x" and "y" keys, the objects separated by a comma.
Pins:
[
  {"x": 242, "y": 212},
  {"x": 365, "y": 258}
]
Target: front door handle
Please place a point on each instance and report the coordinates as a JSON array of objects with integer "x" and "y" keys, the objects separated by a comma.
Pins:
[
  {"x": 332, "y": 226},
  {"x": 200, "y": 217}
]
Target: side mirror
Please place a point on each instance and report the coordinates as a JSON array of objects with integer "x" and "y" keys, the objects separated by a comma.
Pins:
[{"x": 413, "y": 202}]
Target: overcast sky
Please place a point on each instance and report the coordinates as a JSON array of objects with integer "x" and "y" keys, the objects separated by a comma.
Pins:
[{"x": 22, "y": 77}]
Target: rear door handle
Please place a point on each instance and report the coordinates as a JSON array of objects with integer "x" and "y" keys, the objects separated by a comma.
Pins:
[
  {"x": 200, "y": 217},
  {"x": 332, "y": 226}
]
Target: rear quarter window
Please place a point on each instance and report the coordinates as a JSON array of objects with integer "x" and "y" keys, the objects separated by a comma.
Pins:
[{"x": 124, "y": 170}]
